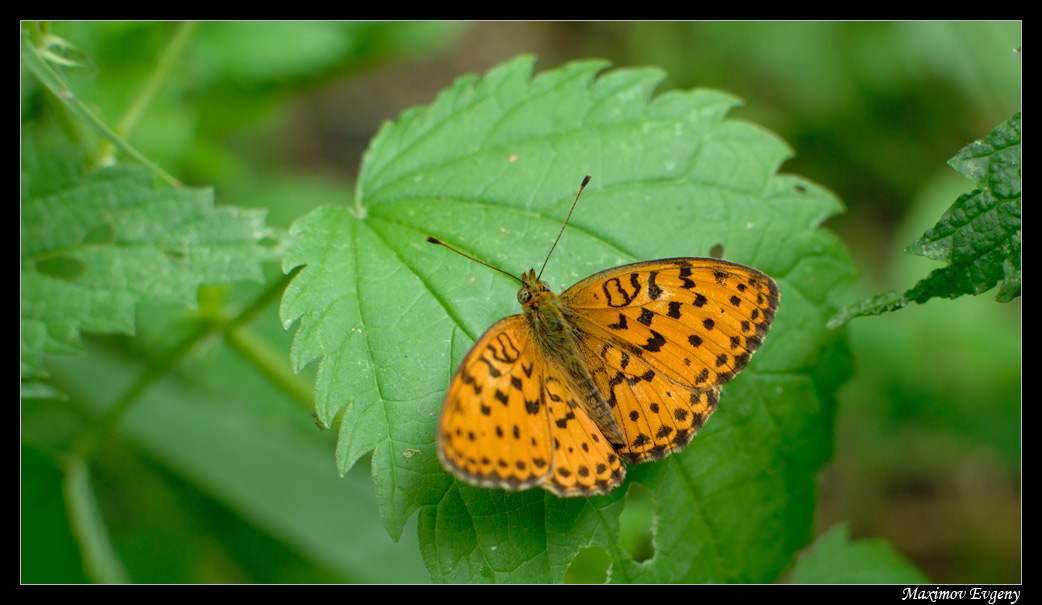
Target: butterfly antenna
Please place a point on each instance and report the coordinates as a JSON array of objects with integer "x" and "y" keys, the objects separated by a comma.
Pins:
[
  {"x": 435, "y": 240},
  {"x": 581, "y": 187}
]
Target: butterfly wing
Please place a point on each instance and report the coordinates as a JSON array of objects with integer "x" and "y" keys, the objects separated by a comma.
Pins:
[
  {"x": 658, "y": 338},
  {"x": 495, "y": 431},
  {"x": 584, "y": 462},
  {"x": 661, "y": 337},
  {"x": 511, "y": 420}
]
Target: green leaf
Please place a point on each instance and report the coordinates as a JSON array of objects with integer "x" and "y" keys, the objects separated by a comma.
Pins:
[
  {"x": 243, "y": 50},
  {"x": 96, "y": 245},
  {"x": 979, "y": 236},
  {"x": 873, "y": 305},
  {"x": 264, "y": 466},
  {"x": 835, "y": 559},
  {"x": 491, "y": 167}
]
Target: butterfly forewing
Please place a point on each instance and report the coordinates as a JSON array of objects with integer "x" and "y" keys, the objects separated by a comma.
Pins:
[
  {"x": 495, "y": 428},
  {"x": 700, "y": 319},
  {"x": 661, "y": 337}
]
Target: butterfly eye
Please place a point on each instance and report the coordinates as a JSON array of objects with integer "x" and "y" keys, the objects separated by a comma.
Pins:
[{"x": 523, "y": 295}]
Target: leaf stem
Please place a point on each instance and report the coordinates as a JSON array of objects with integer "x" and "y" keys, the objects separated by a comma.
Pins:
[
  {"x": 100, "y": 556},
  {"x": 258, "y": 352},
  {"x": 161, "y": 365},
  {"x": 170, "y": 56},
  {"x": 101, "y": 560},
  {"x": 56, "y": 83}
]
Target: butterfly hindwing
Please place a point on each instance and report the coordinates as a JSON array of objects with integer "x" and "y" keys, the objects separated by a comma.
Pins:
[
  {"x": 584, "y": 463},
  {"x": 655, "y": 414}
]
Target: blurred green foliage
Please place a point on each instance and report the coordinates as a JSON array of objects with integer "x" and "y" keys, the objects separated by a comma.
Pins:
[{"x": 276, "y": 115}]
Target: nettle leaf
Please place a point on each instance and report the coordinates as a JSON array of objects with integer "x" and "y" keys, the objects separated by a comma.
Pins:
[
  {"x": 979, "y": 236},
  {"x": 491, "y": 168},
  {"x": 96, "y": 245},
  {"x": 836, "y": 559}
]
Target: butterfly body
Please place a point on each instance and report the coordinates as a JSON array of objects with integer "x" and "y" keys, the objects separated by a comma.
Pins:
[
  {"x": 622, "y": 367},
  {"x": 552, "y": 323}
]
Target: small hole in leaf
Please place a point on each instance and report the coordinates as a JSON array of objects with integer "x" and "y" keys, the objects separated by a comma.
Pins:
[
  {"x": 102, "y": 234},
  {"x": 716, "y": 251},
  {"x": 590, "y": 566},
  {"x": 799, "y": 188},
  {"x": 637, "y": 523},
  {"x": 62, "y": 267},
  {"x": 269, "y": 242}
]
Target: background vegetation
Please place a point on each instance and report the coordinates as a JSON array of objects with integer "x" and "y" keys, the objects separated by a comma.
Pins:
[{"x": 277, "y": 115}]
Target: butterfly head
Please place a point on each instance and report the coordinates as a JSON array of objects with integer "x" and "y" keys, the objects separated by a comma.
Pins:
[{"x": 532, "y": 288}]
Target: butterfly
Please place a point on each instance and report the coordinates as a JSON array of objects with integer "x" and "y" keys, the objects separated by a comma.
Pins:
[{"x": 621, "y": 368}]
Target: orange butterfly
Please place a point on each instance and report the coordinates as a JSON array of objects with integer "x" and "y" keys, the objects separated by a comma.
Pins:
[{"x": 621, "y": 368}]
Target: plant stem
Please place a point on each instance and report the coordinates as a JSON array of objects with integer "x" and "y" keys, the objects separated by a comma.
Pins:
[
  {"x": 170, "y": 56},
  {"x": 55, "y": 82},
  {"x": 100, "y": 558},
  {"x": 162, "y": 364},
  {"x": 260, "y": 354}
]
